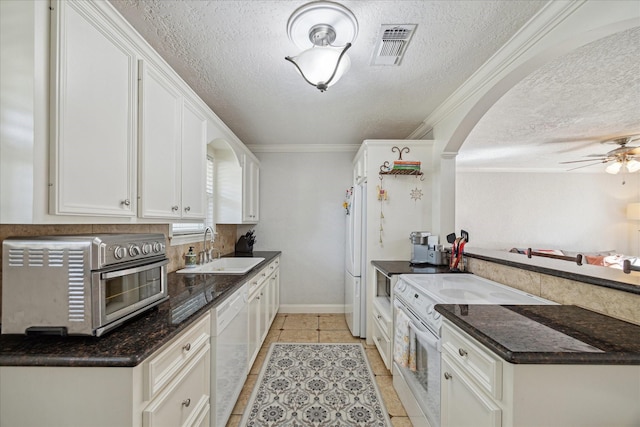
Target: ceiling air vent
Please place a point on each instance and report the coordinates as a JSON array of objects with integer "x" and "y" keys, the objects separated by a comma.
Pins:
[{"x": 392, "y": 44}]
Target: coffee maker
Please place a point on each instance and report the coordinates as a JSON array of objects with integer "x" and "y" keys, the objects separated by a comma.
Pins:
[
  {"x": 419, "y": 244},
  {"x": 426, "y": 249}
]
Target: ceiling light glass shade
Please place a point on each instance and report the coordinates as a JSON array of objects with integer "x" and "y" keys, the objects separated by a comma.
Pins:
[
  {"x": 322, "y": 66},
  {"x": 614, "y": 168},
  {"x": 633, "y": 165}
]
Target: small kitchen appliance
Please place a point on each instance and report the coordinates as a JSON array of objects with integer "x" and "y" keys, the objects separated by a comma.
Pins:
[
  {"x": 80, "y": 285},
  {"x": 419, "y": 246}
]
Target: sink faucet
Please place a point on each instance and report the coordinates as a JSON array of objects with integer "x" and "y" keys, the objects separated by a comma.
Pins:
[{"x": 205, "y": 255}]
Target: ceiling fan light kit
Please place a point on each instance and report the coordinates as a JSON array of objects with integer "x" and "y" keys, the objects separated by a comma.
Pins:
[
  {"x": 623, "y": 157},
  {"x": 325, "y": 31}
]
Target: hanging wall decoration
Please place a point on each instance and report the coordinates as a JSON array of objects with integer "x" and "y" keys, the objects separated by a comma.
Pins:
[
  {"x": 382, "y": 197},
  {"x": 416, "y": 194},
  {"x": 347, "y": 200}
]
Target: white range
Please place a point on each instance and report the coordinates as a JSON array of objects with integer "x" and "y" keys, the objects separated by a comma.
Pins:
[{"x": 415, "y": 297}]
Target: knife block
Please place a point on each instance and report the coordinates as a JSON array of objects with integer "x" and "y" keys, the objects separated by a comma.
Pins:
[{"x": 243, "y": 247}]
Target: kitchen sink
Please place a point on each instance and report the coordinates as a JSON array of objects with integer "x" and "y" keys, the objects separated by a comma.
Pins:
[{"x": 224, "y": 266}]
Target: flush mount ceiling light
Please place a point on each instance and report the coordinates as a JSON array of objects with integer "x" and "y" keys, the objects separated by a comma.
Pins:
[{"x": 325, "y": 31}]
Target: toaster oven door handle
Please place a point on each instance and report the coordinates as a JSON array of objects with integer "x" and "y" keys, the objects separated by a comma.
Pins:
[{"x": 133, "y": 270}]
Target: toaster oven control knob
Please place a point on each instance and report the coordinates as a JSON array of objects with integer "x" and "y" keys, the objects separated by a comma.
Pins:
[
  {"x": 134, "y": 250},
  {"x": 119, "y": 252},
  {"x": 157, "y": 247},
  {"x": 146, "y": 248}
]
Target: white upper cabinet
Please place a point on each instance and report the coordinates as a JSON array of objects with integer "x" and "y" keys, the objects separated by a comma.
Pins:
[
  {"x": 159, "y": 145},
  {"x": 237, "y": 191},
  {"x": 93, "y": 115},
  {"x": 250, "y": 190},
  {"x": 111, "y": 131},
  {"x": 172, "y": 147},
  {"x": 194, "y": 162}
]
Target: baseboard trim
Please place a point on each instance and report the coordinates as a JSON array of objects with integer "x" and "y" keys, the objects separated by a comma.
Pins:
[{"x": 310, "y": 308}]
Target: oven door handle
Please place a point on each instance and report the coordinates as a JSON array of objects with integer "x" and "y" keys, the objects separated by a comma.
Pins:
[
  {"x": 427, "y": 336},
  {"x": 133, "y": 270}
]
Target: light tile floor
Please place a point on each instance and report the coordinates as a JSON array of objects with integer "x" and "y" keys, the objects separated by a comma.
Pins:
[{"x": 329, "y": 328}]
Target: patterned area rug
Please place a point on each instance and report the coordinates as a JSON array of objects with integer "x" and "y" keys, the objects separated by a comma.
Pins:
[{"x": 303, "y": 385}]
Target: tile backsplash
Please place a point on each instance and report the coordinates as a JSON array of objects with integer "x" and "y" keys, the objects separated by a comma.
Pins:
[
  {"x": 225, "y": 239},
  {"x": 612, "y": 302}
]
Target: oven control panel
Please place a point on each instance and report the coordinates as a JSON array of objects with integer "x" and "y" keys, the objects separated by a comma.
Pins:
[{"x": 420, "y": 303}]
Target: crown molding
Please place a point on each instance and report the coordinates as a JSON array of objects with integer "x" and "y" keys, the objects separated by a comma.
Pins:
[{"x": 304, "y": 148}]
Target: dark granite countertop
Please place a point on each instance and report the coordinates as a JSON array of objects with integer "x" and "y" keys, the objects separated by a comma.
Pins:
[
  {"x": 392, "y": 268},
  {"x": 190, "y": 297},
  {"x": 548, "y": 334}
]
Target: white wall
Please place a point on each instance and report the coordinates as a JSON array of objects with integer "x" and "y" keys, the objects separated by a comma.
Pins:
[
  {"x": 571, "y": 211},
  {"x": 301, "y": 214}
]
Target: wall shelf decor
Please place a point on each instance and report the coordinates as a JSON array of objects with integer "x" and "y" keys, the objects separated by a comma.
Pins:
[{"x": 400, "y": 166}]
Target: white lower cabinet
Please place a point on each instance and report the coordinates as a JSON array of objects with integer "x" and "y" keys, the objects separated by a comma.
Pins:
[
  {"x": 463, "y": 404},
  {"x": 171, "y": 388},
  {"x": 264, "y": 302},
  {"x": 480, "y": 389},
  {"x": 382, "y": 332},
  {"x": 186, "y": 398}
]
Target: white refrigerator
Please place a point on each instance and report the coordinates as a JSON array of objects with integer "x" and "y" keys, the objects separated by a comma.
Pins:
[
  {"x": 355, "y": 272},
  {"x": 379, "y": 228}
]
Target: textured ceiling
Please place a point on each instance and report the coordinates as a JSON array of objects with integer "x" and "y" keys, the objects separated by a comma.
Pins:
[
  {"x": 232, "y": 54},
  {"x": 562, "y": 111}
]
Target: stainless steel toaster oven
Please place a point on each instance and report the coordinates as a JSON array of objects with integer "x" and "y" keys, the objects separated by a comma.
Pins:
[{"x": 80, "y": 285}]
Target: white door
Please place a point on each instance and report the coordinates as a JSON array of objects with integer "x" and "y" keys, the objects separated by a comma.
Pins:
[{"x": 352, "y": 310}]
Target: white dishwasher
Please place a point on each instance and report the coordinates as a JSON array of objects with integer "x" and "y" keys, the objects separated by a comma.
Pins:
[{"x": 229, "y": 353}]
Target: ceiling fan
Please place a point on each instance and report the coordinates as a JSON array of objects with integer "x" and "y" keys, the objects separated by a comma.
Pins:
[{"x": 624, "y": 156}]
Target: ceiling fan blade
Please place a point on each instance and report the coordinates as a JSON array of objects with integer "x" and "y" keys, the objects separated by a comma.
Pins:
[
  {"x": 585, "y": 166},
  {"x": 602, "y": 160}
]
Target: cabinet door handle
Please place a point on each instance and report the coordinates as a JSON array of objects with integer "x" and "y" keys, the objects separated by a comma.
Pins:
[
  {"x": 187, "y": 346},
  {"x": 126, "y": 202},
  {"x": 187, "y": 209},
  {"x": 378, "y": 316},
  {"x": 447, "y": 376},
  {"x": 174, "y": 208},
  {"x": 186, "y": 402},
  {"x": 462, "y": 352}
]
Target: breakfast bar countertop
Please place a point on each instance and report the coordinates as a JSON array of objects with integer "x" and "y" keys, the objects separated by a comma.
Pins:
[
  {"x": 548, "y": 334},
  {"x": 190, "y": 297}
]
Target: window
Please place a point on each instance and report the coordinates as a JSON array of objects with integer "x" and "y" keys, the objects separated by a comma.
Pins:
[{"x": 183, "y": 232}]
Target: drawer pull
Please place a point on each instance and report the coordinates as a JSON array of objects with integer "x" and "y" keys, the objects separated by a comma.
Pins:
[
  {"x": 462, "y": 352},
  {"x": 186, "y": 402},
  {"x": 187, "y": 346},
  {"x": 447, "y": 376}
]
